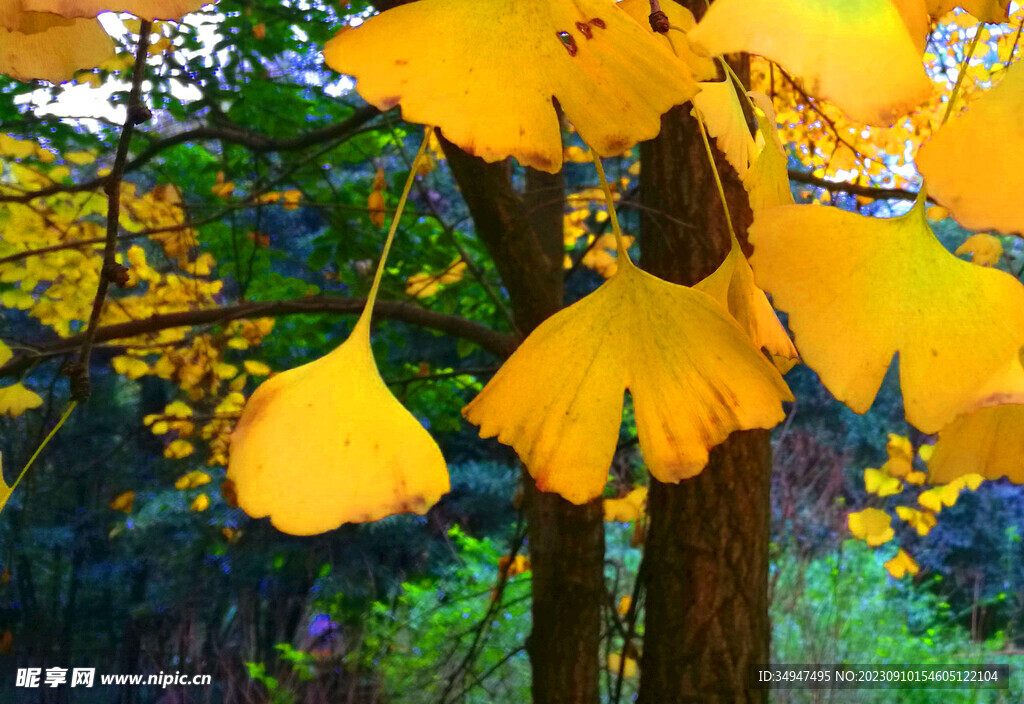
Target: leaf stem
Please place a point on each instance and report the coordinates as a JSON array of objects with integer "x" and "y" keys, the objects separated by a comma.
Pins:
[
  {"x": 364, "y": 319},
  {"x": 46, "y": 441},
  {"x": 620, "y": 244},
  {"x": 718, "y": 178}
]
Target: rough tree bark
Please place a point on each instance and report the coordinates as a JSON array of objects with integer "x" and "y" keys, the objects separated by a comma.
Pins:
[
  {"x": 524, "y": 237},
  {"x": 707, "y": 546}
]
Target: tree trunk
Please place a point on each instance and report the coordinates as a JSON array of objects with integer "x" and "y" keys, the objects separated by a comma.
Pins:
[
  {"x": 707, "y": 546},
  {"x": 524, "y": 237}
]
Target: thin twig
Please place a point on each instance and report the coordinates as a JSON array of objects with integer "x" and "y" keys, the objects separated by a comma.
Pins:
[{"x": 135, "y": 114}]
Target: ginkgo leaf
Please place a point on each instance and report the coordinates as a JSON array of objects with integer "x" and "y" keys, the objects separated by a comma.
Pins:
[
  {"x": 200, "y": 503},
  {"x": 16, "y": 399},
  {"x": 985, "y": 250},
  {"x": 767, "y": 179},
  {"x": 629, "y": 508},
  {"x": 485, "y": 73},
  {"x": 921, "y": 521},
  {"x": 123, "y": 502},
  {"x": 630, "y": 668},
  {"x": 676, "y": 41},
  {"x": 327, "y": 443},
  {"x": 982, "y": 10},
  {"x": 692, "y": 372},
  {"x": 719, "y": 107},
  {"x": 947, "y": 494},
  {"x": 860, "y": 289},
  {"x": 36, "y": 45},
  {"x": 915, "y": 17},
  {"x": 732, "y": 285},
  {"x": 5, "y": 353},
  {"x": 194, "y": 479},
  {"x": 860, "y": 55},
  {"x": 988, "y": 442},
  {"x": 426, "y": 284},
  {"x": 985, "y": 141},
  {"x": 143, "y": 9},
  {"x": 901, "y": 565},
  {"x": 871, "y": 525},
  {"x": 877, "y": 482}
]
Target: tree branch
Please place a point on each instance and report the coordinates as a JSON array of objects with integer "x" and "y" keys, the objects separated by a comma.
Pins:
[
  {"x": 498, "y": 344},
  {"x": 135, "y": 113},
  {"x": 875, "y": 192}
]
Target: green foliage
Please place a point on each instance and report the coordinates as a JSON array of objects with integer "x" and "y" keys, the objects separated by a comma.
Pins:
[
  {"x": 844, "y": 607},
  {"x": 446, "y": 638}
]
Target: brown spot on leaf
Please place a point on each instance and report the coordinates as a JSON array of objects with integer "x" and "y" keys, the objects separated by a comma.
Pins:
[
  {"x": 585, "y": 29},
  {"x": 598, "y": 22},
  {"x": 616, "y": 144},
  {"x": 401, "y": 62},
  {"x": 568, "y": 42},
  {"x": 389, "y": 102}
]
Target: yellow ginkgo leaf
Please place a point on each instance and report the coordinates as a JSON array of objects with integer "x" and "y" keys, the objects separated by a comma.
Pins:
[
  {"x": 375, "y": 208},
  {"x": 681, "y": 20},
  {"x": 131, "y": 367},
  {"x": 985, "y": 250},
  {"x": 511, "y": 567},
  {"x": 982, "y": 10},
  {"x": 200, "y": 503},
  {"x": 860, "y": 289},
  {"x": 859, "y": 55},
  {"x": 192, "y": 480},
  {"x": 732, "y": 285},
  {"x": 123, "y": 502},
  {"x": 143, "y": 9},
  {"x": 624, "y": 603},
  {"x": 38, "y": 45},
  {"x": 178, "y": 449},
  {"x": 925, "y": 452},
  {"x": 256, "y": 368},
  {"x": 16, "y": 399},
  {"x": 922, "y": 521},
  {"x": 718, "y": 105},
  {"x": 901, "y": 456},
  {"x": 871, "y": 525},
  {"x": 5, "y": 353},
  {"x": 901, "y": 565},
  {"x": 426, "y": 284},
  {"x": 693, "y": 374},
  {"x": 629, "y": 668},
  {"x": 485, "y": 73},
  {"x": 947, "y": 494},
  {"x": 327, "y": 443},
  {"x": 988, "y": 442},
  {"x": 985, "y": 142},
  {"x": 629, "y": 508},
  {"x": 917, "y": 478},
  {"x": 767, "y": 179},
  {"x": 879, "y": 483}
]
